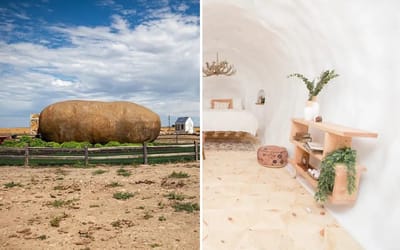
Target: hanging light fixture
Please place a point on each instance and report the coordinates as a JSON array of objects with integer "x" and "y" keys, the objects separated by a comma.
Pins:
[{"x": 218, "y": 68}]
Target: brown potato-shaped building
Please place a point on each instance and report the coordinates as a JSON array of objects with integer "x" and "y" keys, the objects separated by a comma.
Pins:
[{"x": 98, "y": 122}]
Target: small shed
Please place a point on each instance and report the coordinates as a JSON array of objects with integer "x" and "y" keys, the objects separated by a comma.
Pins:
[{"x": 184, "y": 125}]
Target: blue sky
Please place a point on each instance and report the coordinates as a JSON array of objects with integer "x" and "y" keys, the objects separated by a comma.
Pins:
[{"x": 141, "y": 51}]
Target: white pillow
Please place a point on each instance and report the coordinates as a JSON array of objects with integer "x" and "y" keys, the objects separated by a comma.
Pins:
[{"x": 237, "y": 103}]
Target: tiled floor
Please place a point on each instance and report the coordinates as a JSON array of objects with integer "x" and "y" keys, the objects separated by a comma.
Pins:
[{"x": 247, "y": 206}]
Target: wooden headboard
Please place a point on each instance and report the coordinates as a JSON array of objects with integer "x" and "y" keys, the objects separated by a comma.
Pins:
[{"x": 228, "y": 101}]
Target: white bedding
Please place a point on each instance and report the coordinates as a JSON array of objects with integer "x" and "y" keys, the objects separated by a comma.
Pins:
[{"x": 229, "y": 120}]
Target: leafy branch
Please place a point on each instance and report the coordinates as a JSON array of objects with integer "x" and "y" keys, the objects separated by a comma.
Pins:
[
  {"x": 346, "y": 156},
  {"x": 315, "y": 87}
]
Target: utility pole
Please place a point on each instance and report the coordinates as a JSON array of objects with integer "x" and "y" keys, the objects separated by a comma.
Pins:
[{"x": 169, "y": 123}]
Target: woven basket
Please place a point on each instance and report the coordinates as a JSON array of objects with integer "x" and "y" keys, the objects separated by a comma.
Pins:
[{"x": 272, "y": 156}]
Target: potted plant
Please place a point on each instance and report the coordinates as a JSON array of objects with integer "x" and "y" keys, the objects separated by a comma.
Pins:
[
  {"x": 314, "y": 87},
  {"x": 341, "y": 162}
]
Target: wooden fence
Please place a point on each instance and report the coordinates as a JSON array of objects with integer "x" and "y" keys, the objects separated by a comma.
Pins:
[
  {"x": 131, "y": 155},
  {"x": 177, "y": 138}
]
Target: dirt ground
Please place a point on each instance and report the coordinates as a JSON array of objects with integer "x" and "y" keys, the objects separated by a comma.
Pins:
[{"x": 75, "y": 208}]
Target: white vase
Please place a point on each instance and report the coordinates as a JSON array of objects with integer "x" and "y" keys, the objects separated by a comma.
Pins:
[
  {"x": 311, "y": 111},
  {"x": 308, "y": 113}
]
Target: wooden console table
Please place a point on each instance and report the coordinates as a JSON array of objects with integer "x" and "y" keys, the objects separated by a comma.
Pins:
[{"x": 335, "y": 137}]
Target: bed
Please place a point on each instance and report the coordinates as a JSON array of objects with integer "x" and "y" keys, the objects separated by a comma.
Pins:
[{"x": 228, "y": 115}]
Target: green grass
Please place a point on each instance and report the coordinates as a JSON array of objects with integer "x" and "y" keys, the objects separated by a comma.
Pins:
[
  {"x": 60, "y": 171},
  {"x": 116, "y": 223},
  {"x": 57, "y": 203},
  {"x": 59, "y": 162},
  {"x": 12, "y": 184},
  {"x": 61, "y": 203},
  {"x": 161, "y": 205},
  {"x": 178, "y": 175},
  {"x": 154, "y": 245},
  {"x": 123, "y": 172},
  {"x": 147, "y": 215},
  {"x": 55, "y": 221},
  {"x": 114, "y": 184},
  {"x": 121, "y": 223},
  {"x": 99, "y": 171},
  {"x": 188, "y": 207},
  {"x": 42, "y": 237},
  {"x": 175, "y": 196},
  {"x": 81, "y": 164},
  {"x": 170, "y": 159},
  {"x": 123, "y": 195},
  {"x": 59, "y": 187}
]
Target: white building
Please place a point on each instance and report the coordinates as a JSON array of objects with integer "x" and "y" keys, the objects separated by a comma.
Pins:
[{"x": 184, "y": 125}]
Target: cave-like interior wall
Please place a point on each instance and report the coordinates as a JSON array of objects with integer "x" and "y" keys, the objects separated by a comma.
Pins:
[{"x": 267, "y": 40}]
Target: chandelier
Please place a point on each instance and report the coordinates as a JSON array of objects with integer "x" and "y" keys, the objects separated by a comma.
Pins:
[{"x": 218, "y": 68}]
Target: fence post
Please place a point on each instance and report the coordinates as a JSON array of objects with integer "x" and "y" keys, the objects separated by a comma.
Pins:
[
  {"x": 145, "y": 161},
  {"x": 26, "y": 156},
  {"x": 196, "y": 151},
  {"x": 86, "y": 155},
  {"x": 176, "y": 138}
]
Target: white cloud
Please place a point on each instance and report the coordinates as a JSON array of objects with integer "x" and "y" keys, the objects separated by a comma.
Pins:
[
  {"x": 127, "y": 12},
  {"x": 120, "y": 24},
  {"x": 182, "y": 7},
  {"x": 62, "y": 83},
  {"x": 154, "y": 64},
  {"x": 21, "y": 15},
  {"x": 106, "y": 3}
]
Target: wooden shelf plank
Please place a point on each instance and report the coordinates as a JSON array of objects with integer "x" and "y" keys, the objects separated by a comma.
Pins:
[
  {"x": 317, "y": 155},
  {"x": 336, "y": 129},
  {"x": 304, "y": 174}
]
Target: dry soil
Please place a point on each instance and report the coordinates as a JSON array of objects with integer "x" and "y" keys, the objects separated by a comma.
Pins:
[{"x": 75, "y": 208}]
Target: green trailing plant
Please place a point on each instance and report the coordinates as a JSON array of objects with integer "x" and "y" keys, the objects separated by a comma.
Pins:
[
  {"x": 346, "y": 156},
  {"x": 315, "y": 86}
]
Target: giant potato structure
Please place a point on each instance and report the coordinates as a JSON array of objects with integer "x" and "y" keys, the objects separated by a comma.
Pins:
[{"x": 98, "y": 122}]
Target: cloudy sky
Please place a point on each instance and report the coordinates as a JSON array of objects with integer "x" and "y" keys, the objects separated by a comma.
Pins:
[{"x": 142, "y": 51}]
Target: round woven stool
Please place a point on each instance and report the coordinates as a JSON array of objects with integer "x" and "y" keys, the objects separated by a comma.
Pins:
[{"x": 272, "y": 156}]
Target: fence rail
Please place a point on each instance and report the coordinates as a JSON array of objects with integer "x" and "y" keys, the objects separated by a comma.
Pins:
[{"x": 141, "y": 154}]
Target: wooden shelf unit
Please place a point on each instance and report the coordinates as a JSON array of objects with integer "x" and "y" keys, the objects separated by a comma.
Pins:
[{"x": 335, "y": 137}]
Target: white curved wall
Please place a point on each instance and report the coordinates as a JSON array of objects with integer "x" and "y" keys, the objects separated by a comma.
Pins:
[{"x": 267, "y": 40}]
